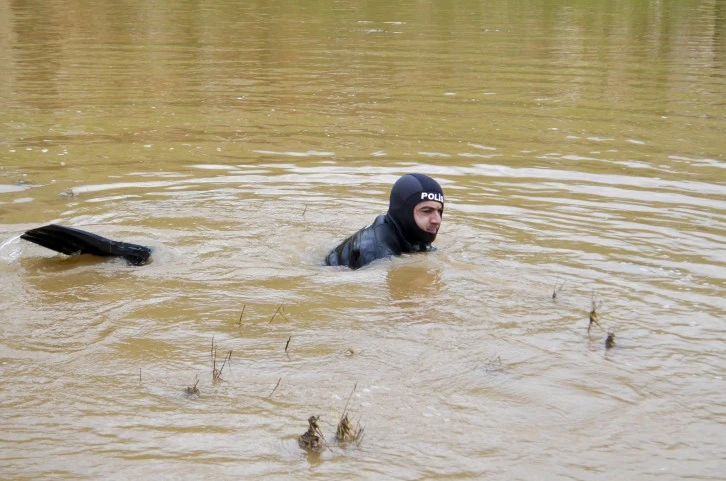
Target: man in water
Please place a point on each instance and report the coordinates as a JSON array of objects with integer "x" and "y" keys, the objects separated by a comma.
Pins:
[{"x": 410, "y": 225}]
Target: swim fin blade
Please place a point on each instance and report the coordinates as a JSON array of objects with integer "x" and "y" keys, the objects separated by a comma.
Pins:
[{"x": 70, "y": 241}]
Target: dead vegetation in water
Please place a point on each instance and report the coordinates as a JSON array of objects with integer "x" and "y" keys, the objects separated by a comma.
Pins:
[
  {"x": 280, "y": 311},
  {"x": 312, "y": 439},
  {"x": 275, "y": 388},
  {"x": 217, "y": 373},
  {"x": 494, "y": 364},
  {"x": 610, "y": 340},
  {"x": 192, "y": 391},
  {"x": 595, "y": 320},
  {"x": 345, "y": 432},
  {"x": 594, "y": 316}
]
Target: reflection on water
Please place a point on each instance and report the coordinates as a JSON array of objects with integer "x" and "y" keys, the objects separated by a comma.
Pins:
[
  {"x": 580, "y": 145},
  {"x": 414, "y": 282}
]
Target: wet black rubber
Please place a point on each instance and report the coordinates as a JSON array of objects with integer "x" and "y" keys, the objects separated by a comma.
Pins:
[{"x": 70, "y": 241}]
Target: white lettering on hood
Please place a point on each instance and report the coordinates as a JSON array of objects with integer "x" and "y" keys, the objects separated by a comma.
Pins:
[{"x": 435, "y": 196}]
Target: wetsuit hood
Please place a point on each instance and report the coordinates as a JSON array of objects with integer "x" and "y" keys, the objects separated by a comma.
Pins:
[{"x": 407, "y": 192}]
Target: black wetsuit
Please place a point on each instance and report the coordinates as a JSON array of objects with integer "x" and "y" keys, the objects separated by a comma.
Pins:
[
  {"x": 379, "y": 240},
  {"x": 394, "y": 233}
]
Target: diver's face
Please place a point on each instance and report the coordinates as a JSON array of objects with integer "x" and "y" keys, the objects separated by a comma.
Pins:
[{"x": 428, "y": 216}]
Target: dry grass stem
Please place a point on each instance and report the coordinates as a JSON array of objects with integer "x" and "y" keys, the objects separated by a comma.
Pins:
[
  {"x": 281, "y": 311},
  {"x": 217, "y": 373},
  {"x": 275, "y": 389},
  {"x": 287, "y": 344},
  {"x": 355, "y": 386},
  {"x": 594, "y": 317}
]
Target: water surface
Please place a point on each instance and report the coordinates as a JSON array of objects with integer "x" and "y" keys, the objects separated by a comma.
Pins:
[{"x": 581, "y": 149}]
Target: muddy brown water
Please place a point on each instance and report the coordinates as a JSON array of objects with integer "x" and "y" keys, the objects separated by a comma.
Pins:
[{"x": 580, "y": 145}]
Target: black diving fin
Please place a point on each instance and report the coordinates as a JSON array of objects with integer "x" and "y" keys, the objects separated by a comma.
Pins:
[{"x": 70, "y": 241}]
